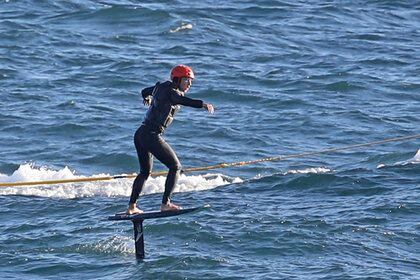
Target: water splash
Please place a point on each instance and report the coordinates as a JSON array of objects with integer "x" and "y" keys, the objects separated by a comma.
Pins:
[
  {"x": 111, "y": 246},
  {"x": 28, "y": 172},
  {"x": 112, "y": 188}
]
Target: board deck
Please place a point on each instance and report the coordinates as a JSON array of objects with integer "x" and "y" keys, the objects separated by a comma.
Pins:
[{"x": 153, "y": 214}]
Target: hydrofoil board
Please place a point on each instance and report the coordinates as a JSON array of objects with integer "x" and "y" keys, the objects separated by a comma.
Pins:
[{"x": 153, "y": 214}]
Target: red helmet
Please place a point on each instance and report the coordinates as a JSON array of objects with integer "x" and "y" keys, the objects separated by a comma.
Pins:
[{"x": 181, "y": 71}]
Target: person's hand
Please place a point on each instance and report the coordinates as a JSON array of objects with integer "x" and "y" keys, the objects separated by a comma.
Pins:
[
  {"x": 148, "y": 100},
  {"x": 209, "y": 108}
]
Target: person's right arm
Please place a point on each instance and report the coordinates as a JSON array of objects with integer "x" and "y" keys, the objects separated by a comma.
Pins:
[
  {"x": 147, "y": 95},
  {"x": 147, "y": 92}
]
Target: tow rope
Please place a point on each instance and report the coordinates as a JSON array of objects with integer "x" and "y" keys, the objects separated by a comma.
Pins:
[{"x": 211, "y": 167}]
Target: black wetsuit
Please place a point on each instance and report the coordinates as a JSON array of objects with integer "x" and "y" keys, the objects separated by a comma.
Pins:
[{"x": 148, "y": 138}]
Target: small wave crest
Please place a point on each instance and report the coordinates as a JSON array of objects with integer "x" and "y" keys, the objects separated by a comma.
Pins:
[
  {"x": 315, "y": 170},
  {"x": 184, "y": 26},
  {"x": 311, "y": 170},
  {"x": 413, "y": 160},
  {"x": 28, "y": 172},
  {"x": 112, "y": 188}
]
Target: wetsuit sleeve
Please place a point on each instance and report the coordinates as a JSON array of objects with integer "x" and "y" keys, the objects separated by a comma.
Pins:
[
  {"x": 147, "y": 91},
  {"x": 178, "y": 99}
]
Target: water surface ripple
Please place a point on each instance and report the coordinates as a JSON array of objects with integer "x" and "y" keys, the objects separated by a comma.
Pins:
[{"x": 285, "y": 77}]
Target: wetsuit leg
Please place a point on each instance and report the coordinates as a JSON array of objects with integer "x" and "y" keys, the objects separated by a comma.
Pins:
[
  {"x": 146, "y": 164},
  {"x": 165, "y": 154}
]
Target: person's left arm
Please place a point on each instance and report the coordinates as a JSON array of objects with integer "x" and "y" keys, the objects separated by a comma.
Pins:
[{"x": 178, "y": 99}]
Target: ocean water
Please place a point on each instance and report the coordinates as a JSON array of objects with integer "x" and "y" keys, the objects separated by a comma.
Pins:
[{"x": 285, "y": 77}]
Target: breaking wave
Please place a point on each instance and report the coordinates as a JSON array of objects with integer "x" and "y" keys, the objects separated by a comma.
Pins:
[{"x": 112, "y": 188}]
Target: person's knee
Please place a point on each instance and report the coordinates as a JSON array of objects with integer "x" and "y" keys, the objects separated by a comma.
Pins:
[
  {"x": 145, "y": 173},
  {"x": 175, "y": 167}
]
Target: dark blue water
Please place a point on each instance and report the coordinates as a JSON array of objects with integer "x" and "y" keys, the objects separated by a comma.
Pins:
[{"x": 285, "y": 77}]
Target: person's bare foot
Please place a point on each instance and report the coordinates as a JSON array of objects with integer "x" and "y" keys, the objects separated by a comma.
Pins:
[
  {"x": 169, "y": 206},
  {"x": 132, "y": 209}
]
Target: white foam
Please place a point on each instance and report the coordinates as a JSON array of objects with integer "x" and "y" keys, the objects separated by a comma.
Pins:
[
  {"x": 184, "y": 26},
  {"x": 27, "y": 172},
  {"x": 316, "y": 170},
  {"x": 112, "y": 188},
  {"x": 117, "y": 244},
  {"x": 413, "y": 160}
]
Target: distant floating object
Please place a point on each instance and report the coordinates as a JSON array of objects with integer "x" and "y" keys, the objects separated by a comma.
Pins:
[{"x": 182, "y": 27}]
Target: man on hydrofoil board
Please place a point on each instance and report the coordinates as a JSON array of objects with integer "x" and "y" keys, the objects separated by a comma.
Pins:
[{"x": 164, "y": 100}]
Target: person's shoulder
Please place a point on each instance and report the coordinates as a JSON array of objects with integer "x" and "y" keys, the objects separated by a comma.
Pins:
[
  {"x": 166, "y": 84},
  {"x": 169, "y": 86}
]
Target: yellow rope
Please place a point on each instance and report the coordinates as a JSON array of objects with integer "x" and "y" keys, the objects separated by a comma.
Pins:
[{"x": 217, "y": 166}]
